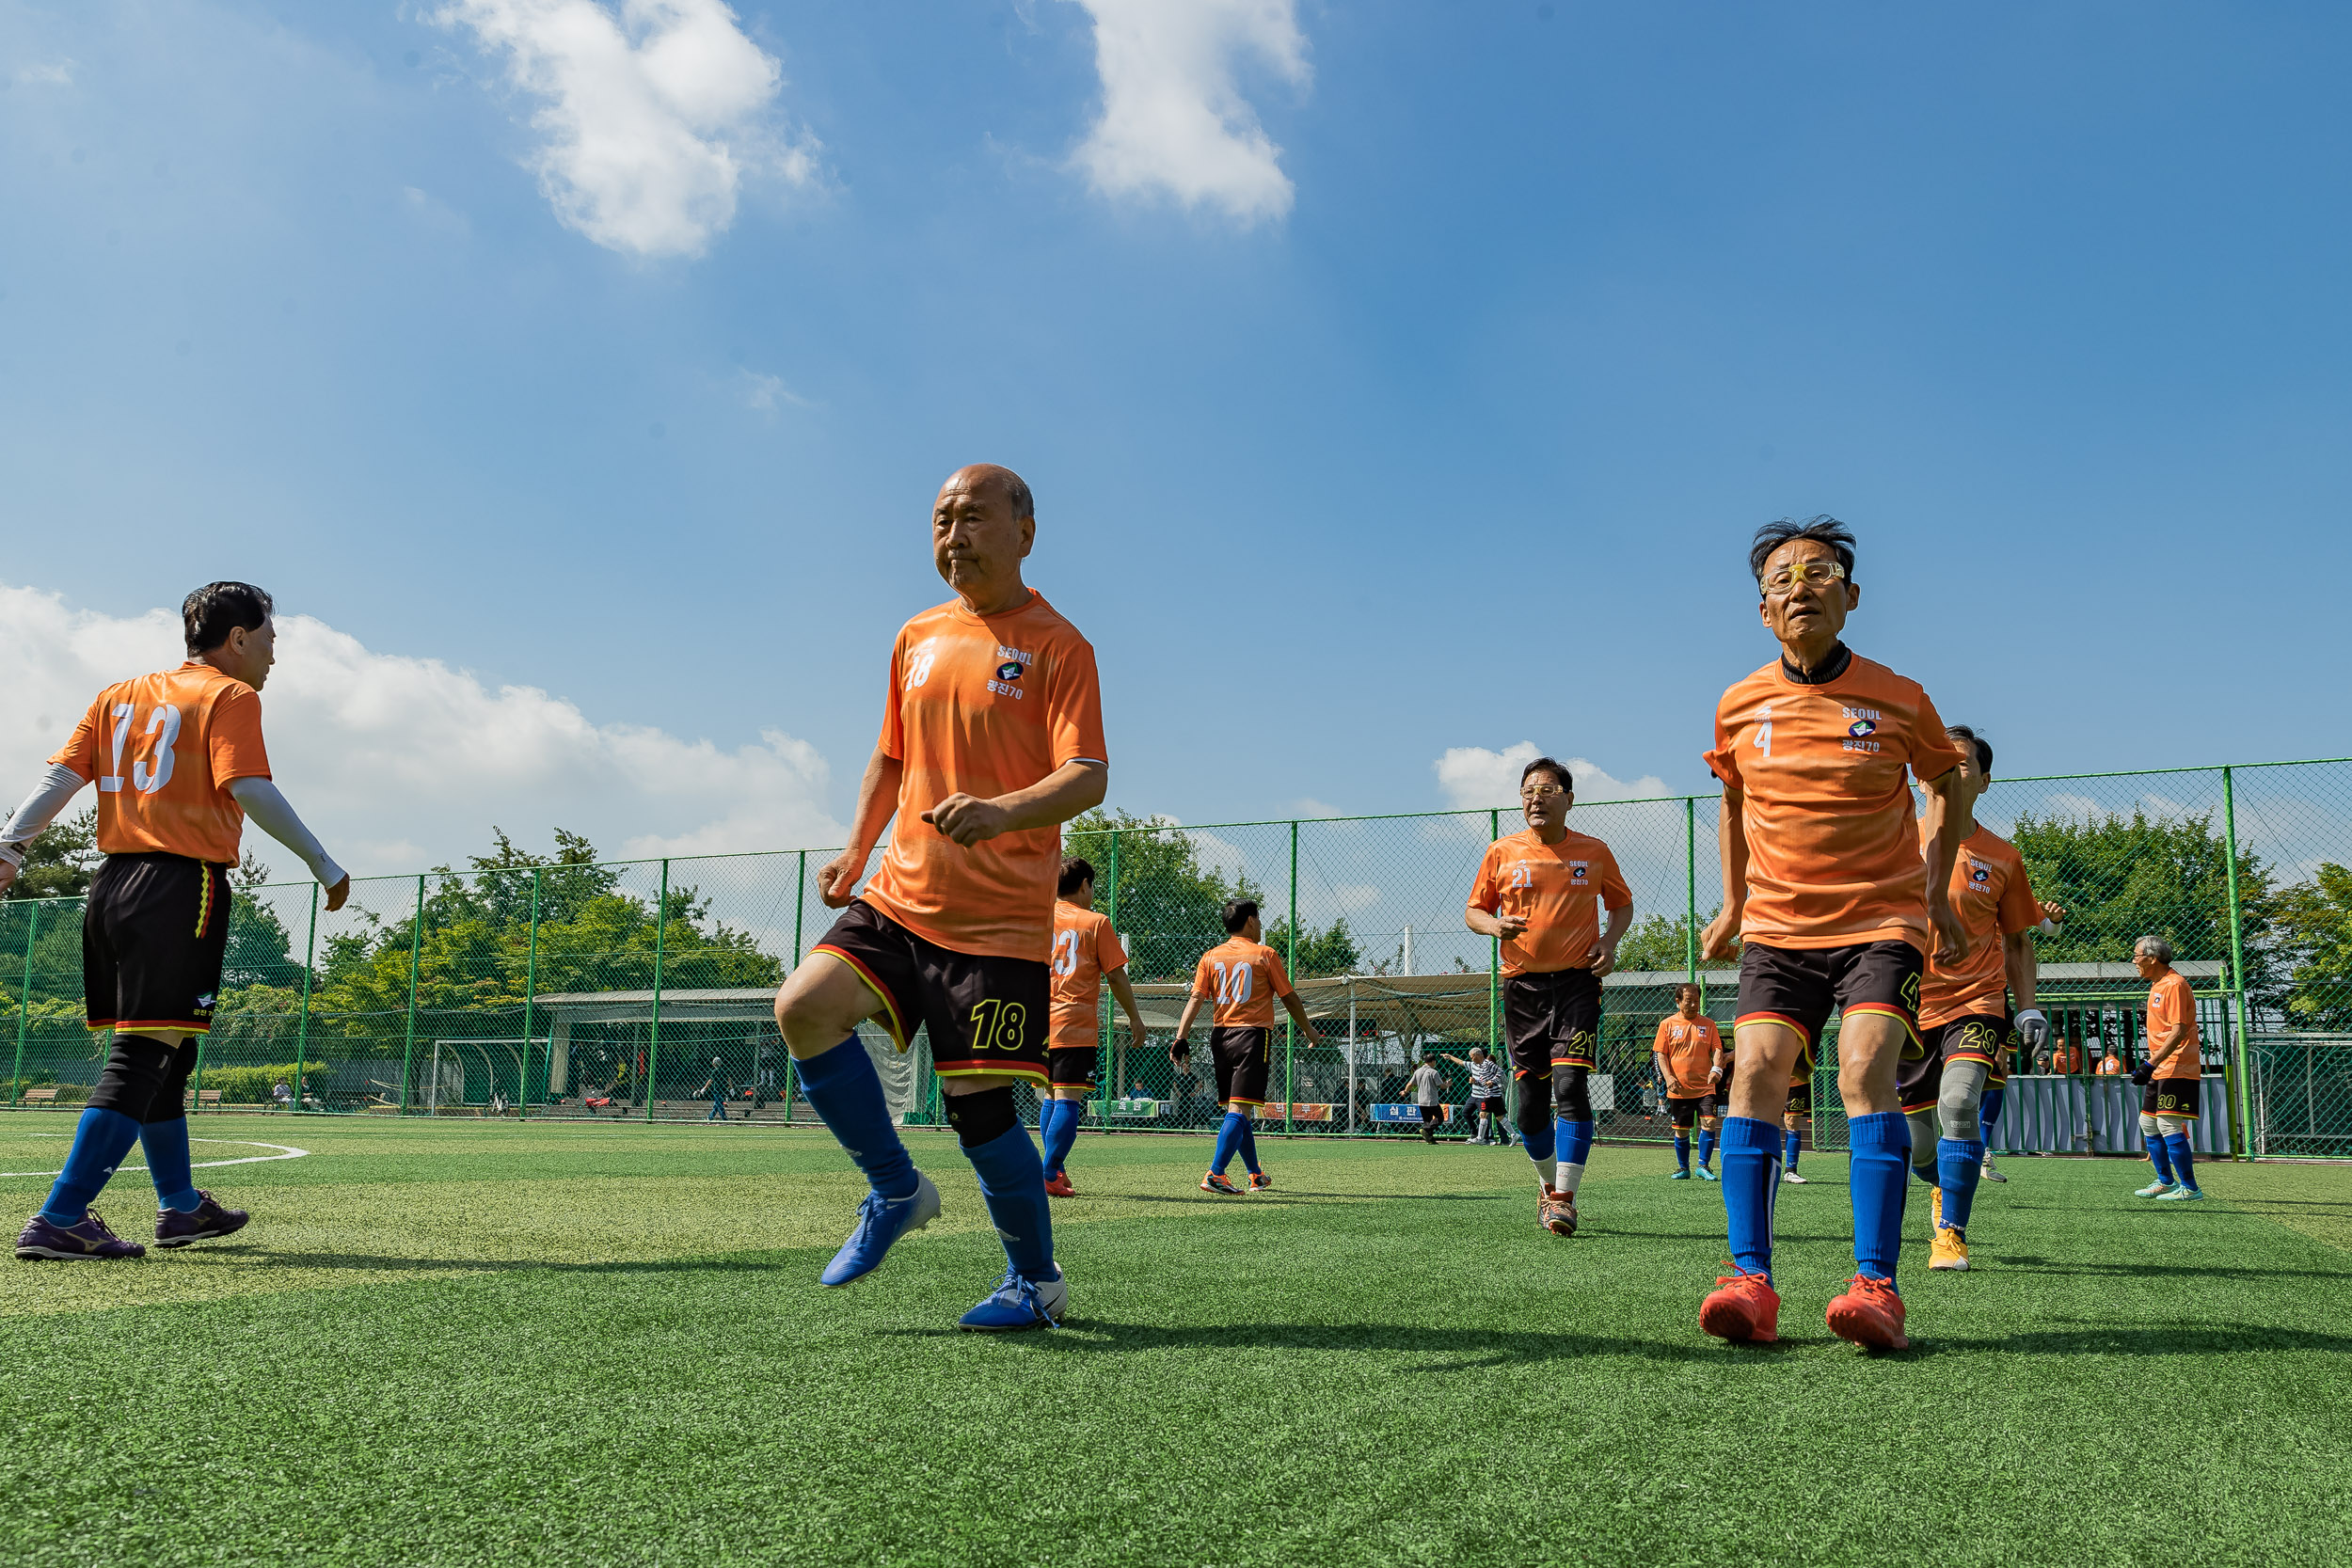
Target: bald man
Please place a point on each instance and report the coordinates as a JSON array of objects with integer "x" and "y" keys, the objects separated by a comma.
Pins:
[{"x": 991, "y": 738}]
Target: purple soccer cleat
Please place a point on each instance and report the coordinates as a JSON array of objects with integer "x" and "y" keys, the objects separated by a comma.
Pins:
[
  {"x": 208, "y": 1221},
  {"x": 89, "y": 1239}
]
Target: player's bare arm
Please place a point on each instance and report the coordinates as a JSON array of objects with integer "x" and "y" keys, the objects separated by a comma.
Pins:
[
  {"x": 1125, "y": 993},
  {"x": 1486, "y": 925},
  {"x": 1073, "y": 788},
  {"x": 1731, "y": 843},
  {"x": 1604, "y": 954},
  {"x": 1181, "y": 1047},
  {"x": 1948, "y": 816},
  {"x": 877, "y": 802},
  {"x": 1298, "y": 1011}
]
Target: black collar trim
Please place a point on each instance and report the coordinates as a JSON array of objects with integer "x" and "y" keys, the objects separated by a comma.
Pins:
[{"x": 1840, "y": 657}]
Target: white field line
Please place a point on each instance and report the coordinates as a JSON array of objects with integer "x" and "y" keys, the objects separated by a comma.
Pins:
[{"x": 285, "y": 1151}]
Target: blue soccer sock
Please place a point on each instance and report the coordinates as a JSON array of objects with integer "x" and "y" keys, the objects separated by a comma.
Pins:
[
  {"x": 2184, "y": 1158},
  {"x": 1060, "y": 1132},
  {"x": 1881, "y": 1145},
  {"x": 1791, "y": 1145},
  {"x": 1012, "y": 1184},
  {"x": 1537, "y": 1139},
  {"x": 1751, "y": 1185},
  {"x": 846, "y": 1092},
  {"x": 1989, "y": 1112},
  {"x": 1706, "y": 1146},
  {"x": 101, "y": 1140},
  {"x": 1573, "y": 1140},
  {"x": 1228, "y": 1135},
  {"x": 166, "y": 1144},
  {"x": 1248, "y": 1144},
  {"x": 1682, "y": 1151},
  {"x": 2159, "y": 1157},
  {"x": 1958, "y": 1166}
]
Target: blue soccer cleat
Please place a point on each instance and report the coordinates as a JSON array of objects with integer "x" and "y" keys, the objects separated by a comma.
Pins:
[
  {"x": 2181, "y": 1195},
  {"x": 91, "y": 1239},
  {"x": 1017, "y": 1303},
  {"x": 1705, "y": 1175},
  {"x": 2156, "y": 1189},
  {"x": 880, "y": 1224},
  {"x": 206, "y": 1222},
  {"x": 1677, "y": 1176}
]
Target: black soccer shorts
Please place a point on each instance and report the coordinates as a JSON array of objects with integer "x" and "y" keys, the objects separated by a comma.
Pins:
[
  {"x": 2171, "y": 1096},
  {"x": 154, "y": 932},
  {"x": 1242, "y": 1061},
  {"x": 1685, "y": 1109},
  {"x": 1071, "y": 1065},
  {"x": 985, "y": 1013},
  {"x": 1975, "y": 1039},
  {"x": 1550, "y": 1020},
  {"x": 1490, "y": 1104},
  {"x": 1800, "y": 986}
]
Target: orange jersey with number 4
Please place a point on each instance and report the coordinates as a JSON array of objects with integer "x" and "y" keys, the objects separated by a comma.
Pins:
[
  {"x": 1085, "y": 949},
  {"x": 1689, "y": 1047},
  {"x": 163, "y": 749},
  {"x": 2173, "y": 1005},
  {"x": 982, "y": 707},
  {"x": 1560, "y": 888},
  {"x": 1832, "y": 853},
  {"x": 1242, "y": 979},
  {"x": 1995, "y": 900}
]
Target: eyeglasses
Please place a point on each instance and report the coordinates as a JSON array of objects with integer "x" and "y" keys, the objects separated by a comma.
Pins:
[
  {"x": 1550, "y": 792},
  {"x": 1824, "y": 572}
]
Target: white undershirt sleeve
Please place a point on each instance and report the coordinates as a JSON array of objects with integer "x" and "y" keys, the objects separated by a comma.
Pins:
[
  {"x": 275, "y": 815},
  {"x": 40, "y": 808}
]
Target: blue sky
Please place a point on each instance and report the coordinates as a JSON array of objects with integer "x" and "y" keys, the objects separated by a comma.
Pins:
[{"x": 1423, "y": 401}]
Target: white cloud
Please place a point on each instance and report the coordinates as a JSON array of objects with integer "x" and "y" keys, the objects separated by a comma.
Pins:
[
  {"x": 58, "y": 75},
  {"x": 400, "y": 762},
  {"x": 764, "y": 394},
  {"x": 1174, "y": 121},
  {"x": 654, "y": 115},
  {"x": 1475, "y": 779}
]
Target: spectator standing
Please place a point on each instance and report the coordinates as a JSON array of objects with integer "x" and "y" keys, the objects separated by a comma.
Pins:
[
  {"x": 1428, "y": 1092},
  {"x": 1489, "y": 1121},
  {"x": 716, "y": 1090}
]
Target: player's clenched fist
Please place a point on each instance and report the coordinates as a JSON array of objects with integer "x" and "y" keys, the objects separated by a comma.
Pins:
[
  {"x": 836, "y": 879},
  {"x": 967, "y": 819}
]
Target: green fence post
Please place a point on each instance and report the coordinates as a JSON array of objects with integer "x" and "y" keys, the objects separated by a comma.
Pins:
[
  {"x": 1290, "y": 1025},
  {"x": 1691, "y": 892},
  {"x": 302, "y": 1028},
  {"x": 416, "y": 950},
  {"x": 653, "y": 1040},
  {"x": 25, "y": 1000},
  {"x": 2241, "y": 1141},
  {"x": 799, "y": 904},
  {"x": 1110, "y": 1030},
  {"x": 531, "y": 1001},
  {"x": 1494, "y": 954}
]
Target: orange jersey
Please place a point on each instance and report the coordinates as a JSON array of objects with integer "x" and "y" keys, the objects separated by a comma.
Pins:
[
  {"x": 983, "y": 705},
  {"x": 1085, "y": 949},
  {"x": 163, "y": 749},
  {"x": 1833, "y": 855},
  {"x": 2170, "y": 1005},
  {"x": 1559, "y": 888},
  {"x": 1689, "y": 1047},
  {"x": 1993, "y": 899},
  {"x": 1243, "y": 977}
]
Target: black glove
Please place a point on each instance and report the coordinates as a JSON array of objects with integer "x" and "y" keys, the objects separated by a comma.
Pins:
[{"x": 2143, "y": 1071}]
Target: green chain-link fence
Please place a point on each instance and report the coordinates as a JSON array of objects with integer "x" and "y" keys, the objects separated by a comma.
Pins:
[{"x": 643, "y": 988}]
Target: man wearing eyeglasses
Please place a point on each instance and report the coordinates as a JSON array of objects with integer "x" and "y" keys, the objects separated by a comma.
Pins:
[
  {"x": 1825, "y": 890},
  {"x": 1539, "y": 893}
]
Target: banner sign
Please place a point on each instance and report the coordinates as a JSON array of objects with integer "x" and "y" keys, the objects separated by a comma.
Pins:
[
  {"x": 1409, "y": 1113},
  {"x": 1297, "y": 1113}
]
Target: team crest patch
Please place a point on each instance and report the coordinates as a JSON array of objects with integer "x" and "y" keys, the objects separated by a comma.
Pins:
[
  {"x": 1861, "y": 727},
  {"x": 205, "y": 1002},
  {"x": 1011, "y": 669},
  {"x": 1580, "y": 871},
  {"x": 1980, "y": 875}
]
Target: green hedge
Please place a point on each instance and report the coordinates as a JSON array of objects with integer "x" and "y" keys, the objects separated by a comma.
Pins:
[{"x": 250, "y": 1086}]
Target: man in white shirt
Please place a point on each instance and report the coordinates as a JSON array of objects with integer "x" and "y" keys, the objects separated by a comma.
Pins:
[{"x": 1428, "y": 1092}]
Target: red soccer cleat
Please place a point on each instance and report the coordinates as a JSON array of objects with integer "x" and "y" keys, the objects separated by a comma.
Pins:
[
  {"x": 1215, "y": 1182},
  {"x": 1745, "y": 1309},
  {"x": 1058, "y": 1185},
  {"x": 1869, "y": 1314},
  {"x": 1259, "y": 1182}
]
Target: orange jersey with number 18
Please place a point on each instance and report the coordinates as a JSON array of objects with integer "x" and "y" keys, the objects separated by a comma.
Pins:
[
  {"x": 163, "y": 750},
  {"x": 1823, "y": 772},
  {"x": 1242, "y": 978},
  {"x": 1085, "y": 949}
]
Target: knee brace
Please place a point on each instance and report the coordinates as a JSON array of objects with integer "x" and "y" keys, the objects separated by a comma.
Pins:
[
  {"x": 1962, "y": 1093},
  {"x": 2150, "y": 1127},
  {"x": 1534, "y": 1113},
  {"x": 170, "y": 1102},
  {"x": 983, "y": 1117},
  {"x": 1922, "y": 1139},
  {"x": 1569, "y": 1097},
  {"x": 137, "y": 1069},
  {"x": 2173, "y": 1126}
]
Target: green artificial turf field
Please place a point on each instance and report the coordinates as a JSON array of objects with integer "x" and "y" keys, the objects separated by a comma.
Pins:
[{"x": 495, "y": 1342}]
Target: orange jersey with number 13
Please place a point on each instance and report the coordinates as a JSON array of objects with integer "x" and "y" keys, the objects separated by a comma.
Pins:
[
  {"x": 162, "y": 750},
  {"x": 1085, "y": 949}
]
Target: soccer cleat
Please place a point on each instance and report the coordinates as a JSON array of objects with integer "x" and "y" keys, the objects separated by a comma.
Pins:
[
  {"x": 881, "y": 1223},
  {"x": 2181, "y": 1195},
  {"x": 1950, "y": 1250},
  {"x": 1677, "y": 1176},
  {"x": 1743, "y": 1308},
  {"x": 1990, "y": 1171},
  {"x": 1935, "y": 1209},
  {"x": 1259, "y": 1182},
  {"x": 1215, "y": 1182},
  {"x": 2156, "y": 1188},
  {"x": 1017, "y": 1303},
  {"x": 1058, "y": 1185},
  {"x": 1557, "y": 1210},
  {"x": 1869, "y": 1314},
  {"x": 91, "y": 1239},
  {"x": 1706, "y": 1174},
  {"x": 208, "y": 1221},
  {"x": 1794, "y": 1179}
]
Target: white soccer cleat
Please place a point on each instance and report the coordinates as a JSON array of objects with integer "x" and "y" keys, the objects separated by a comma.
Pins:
[
  {"x": 1990, "y": 1171},
  {"x": 1794, "y": 1179}
]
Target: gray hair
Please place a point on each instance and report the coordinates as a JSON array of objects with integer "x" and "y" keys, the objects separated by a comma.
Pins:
[{"x": 2155, "y": 947}]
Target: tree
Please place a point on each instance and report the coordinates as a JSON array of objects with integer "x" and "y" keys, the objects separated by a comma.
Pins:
[
  {"x": 61, "y": 862},
  {"x": 1170, "y": 908},
  {"x": 1658, "y": 944},
  {"x": 2314, "y": 924},
  {"x": 1330, "y": 951}
]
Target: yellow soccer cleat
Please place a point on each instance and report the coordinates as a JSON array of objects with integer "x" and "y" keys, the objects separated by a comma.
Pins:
[{"x": 1950, "y": 1250}]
